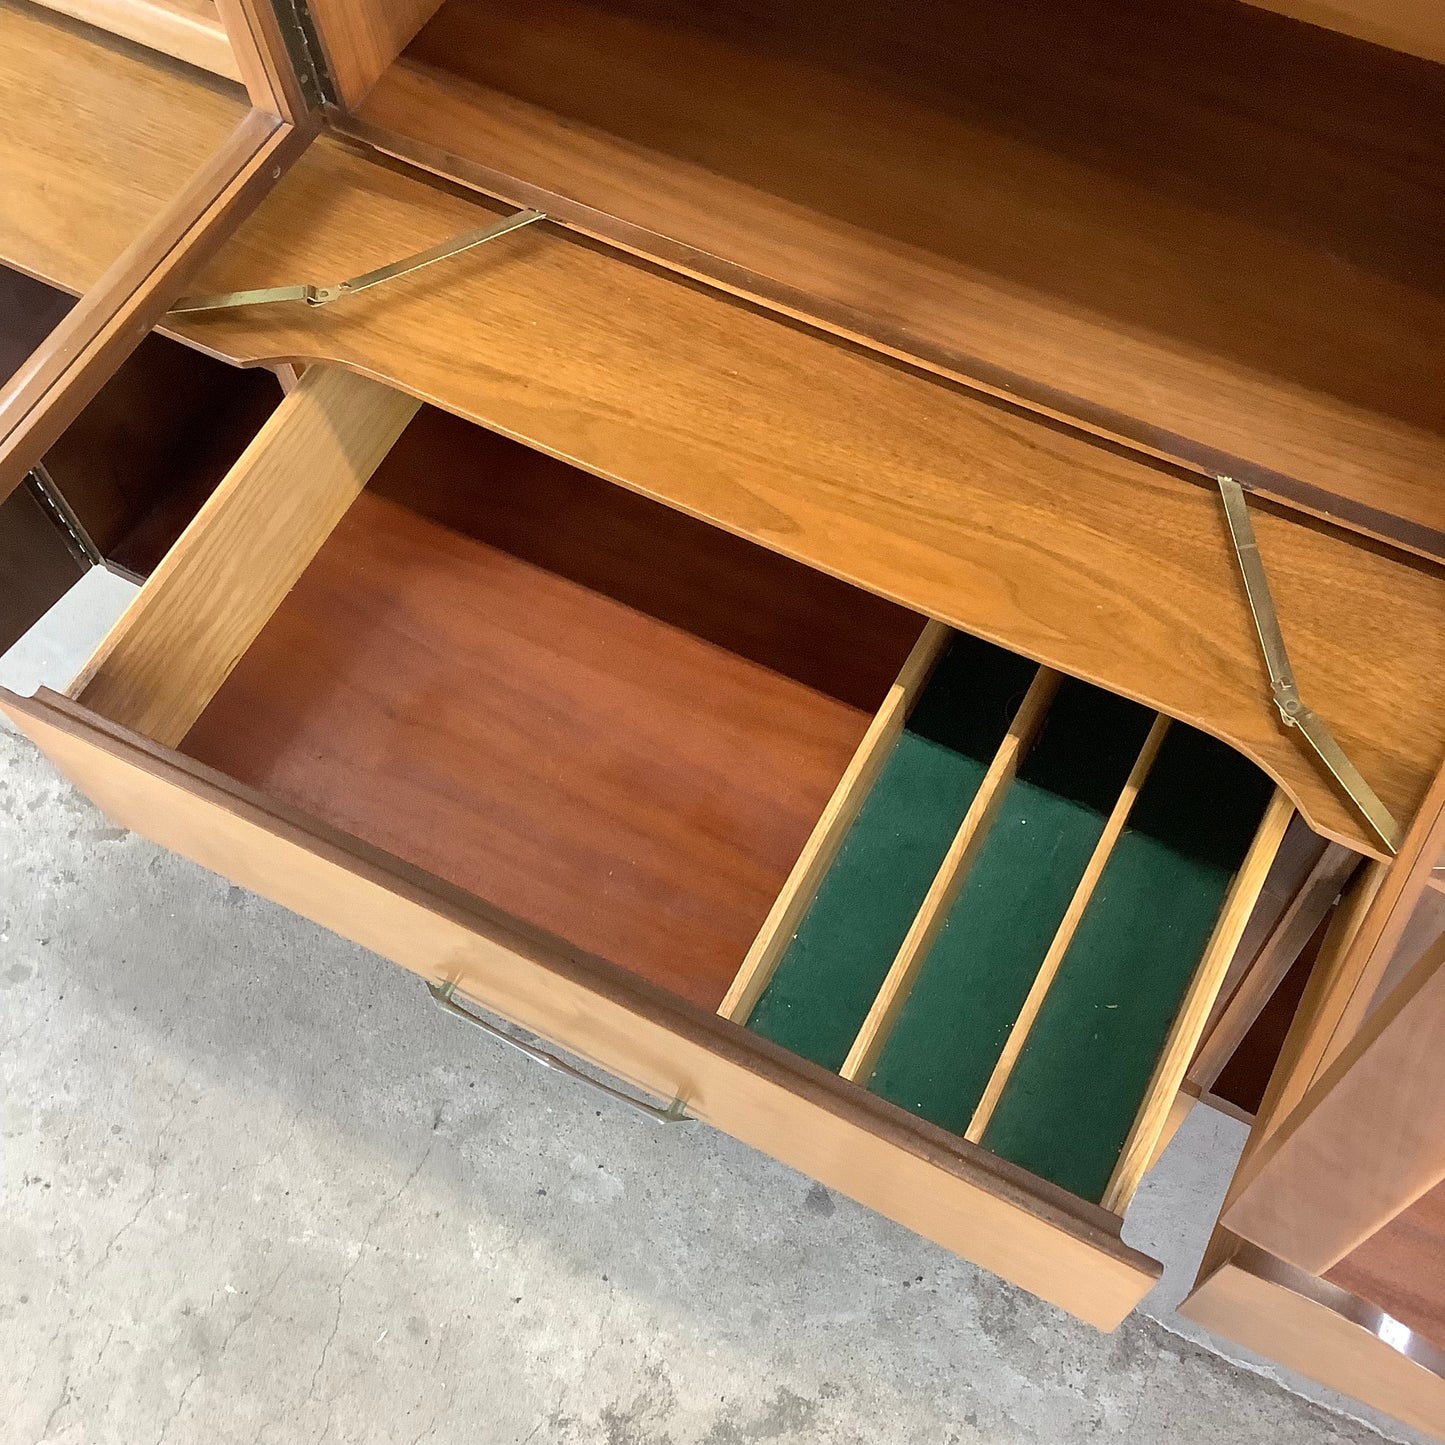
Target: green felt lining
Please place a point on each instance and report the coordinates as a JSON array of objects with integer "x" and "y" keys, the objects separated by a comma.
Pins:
[
  {"x": 1072, "y": 1098},
  {"x": 969, "y": 991},
  {"x": 830, "y": 974}
]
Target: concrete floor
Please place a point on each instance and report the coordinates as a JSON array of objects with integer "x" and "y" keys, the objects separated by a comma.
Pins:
[{"x": 254, "y": 1188}]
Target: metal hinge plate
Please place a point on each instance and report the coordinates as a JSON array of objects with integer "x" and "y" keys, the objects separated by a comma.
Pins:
[{"x": 303, "y": 49}]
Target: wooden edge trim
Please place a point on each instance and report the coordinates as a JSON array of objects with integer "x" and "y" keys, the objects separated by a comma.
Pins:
[
  {"x": 1325, "y": 995},
  {"x": 179, "y": 33},
  {"x": 1029, "y": 1231},
  {"x": 797, "y": 894},
  {"x": 1277, "y": 955},
  {"x": 949, "y": 880},
  {"x": 49, "y": 391},
  {"x": 1191, "y": 459},
  {"x": 1224, "y": 1106},
  {"x": 1319, "y": 1330},
  {"x": 1383, "y": 923},
  {"x": 1179, "y": 1111},
  {"x": 1184, "y": 1034},
  {"x": 263, "y": 64},
  {"x": 1068, "y": 926},
  {"x": 178, "y": 641},
  {"x": 1302, "y": 846}
]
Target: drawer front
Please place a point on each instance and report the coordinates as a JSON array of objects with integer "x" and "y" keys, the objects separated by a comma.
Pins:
[{"x": 1055, "y": 1246}]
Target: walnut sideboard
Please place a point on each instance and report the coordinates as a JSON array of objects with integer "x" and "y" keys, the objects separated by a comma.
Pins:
[{"x": 746, "y": 609}]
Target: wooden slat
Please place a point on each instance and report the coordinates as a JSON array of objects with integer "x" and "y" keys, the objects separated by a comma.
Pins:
[
  {"x": 1184, "y": 1033},
  {"x": 1007, "y": 215},
  {"x": 84, "y": 351},
  {"x": 1023, "y": 534},
  {"x": 822, "y": 846},
  {"x": 1179, "y": 1111},
  {"x": 1038, "y": 1237},
  {"x": 1268, "y": 968},
  {"x": 266, "y": 70},
  {"x": 82, "y": 180},
  {"x": 950, "y": 878},
  {"x": 1334, "y": 981},
  {"x": 1365, "y": 1142},
  {"x": 1297, "y": 857},
  {"x": 190, "y": 30},
  {"x": 203, "y": 606},
  {"x": 1068, "y": 926}
]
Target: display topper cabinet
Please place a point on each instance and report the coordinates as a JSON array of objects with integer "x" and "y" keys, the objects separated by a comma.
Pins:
[{"x": 736, "y": 590}]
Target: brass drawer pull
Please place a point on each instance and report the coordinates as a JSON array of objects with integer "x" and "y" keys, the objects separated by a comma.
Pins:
[{"x": 444, "y": 997}]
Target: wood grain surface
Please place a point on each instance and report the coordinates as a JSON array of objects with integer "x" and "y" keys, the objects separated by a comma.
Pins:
[
  {"x": 189, "y": 30},
  {"x": 253, "y": 28},
  {"x": 1384, "y": 923},
  {"x": 175, "y": 645},
  {"x": 1018, "y": 531},
  {"x": 361, "y": 38},
  {"x": 1200, "y": 227},
  {"x": 607, "y": 719},
  {"x": 119, "y": 311},
  {"x": 94, "y": 141}
]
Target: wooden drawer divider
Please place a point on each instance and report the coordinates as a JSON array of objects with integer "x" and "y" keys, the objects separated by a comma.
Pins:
[
  {"x": 798, "y": 892},
  {"x": 972, "y": 833},
  {"x": 968, "y": 844},
  {"x": 1049, "y": 967},
  {"x": 189, "y": 626}
]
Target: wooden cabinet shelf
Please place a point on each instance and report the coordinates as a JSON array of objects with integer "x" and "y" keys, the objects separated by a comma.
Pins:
[{"x": 1196, "y": 227}]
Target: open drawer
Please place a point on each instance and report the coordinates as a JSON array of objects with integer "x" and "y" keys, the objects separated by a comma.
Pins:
[{"x": 926, "y": 921}]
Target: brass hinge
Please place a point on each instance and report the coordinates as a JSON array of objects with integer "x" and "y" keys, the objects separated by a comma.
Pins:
[
  {"x": 1292, "y": 709},
  {"x": 303, "y": 49},
  {"x": 314, "y": 295}
]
